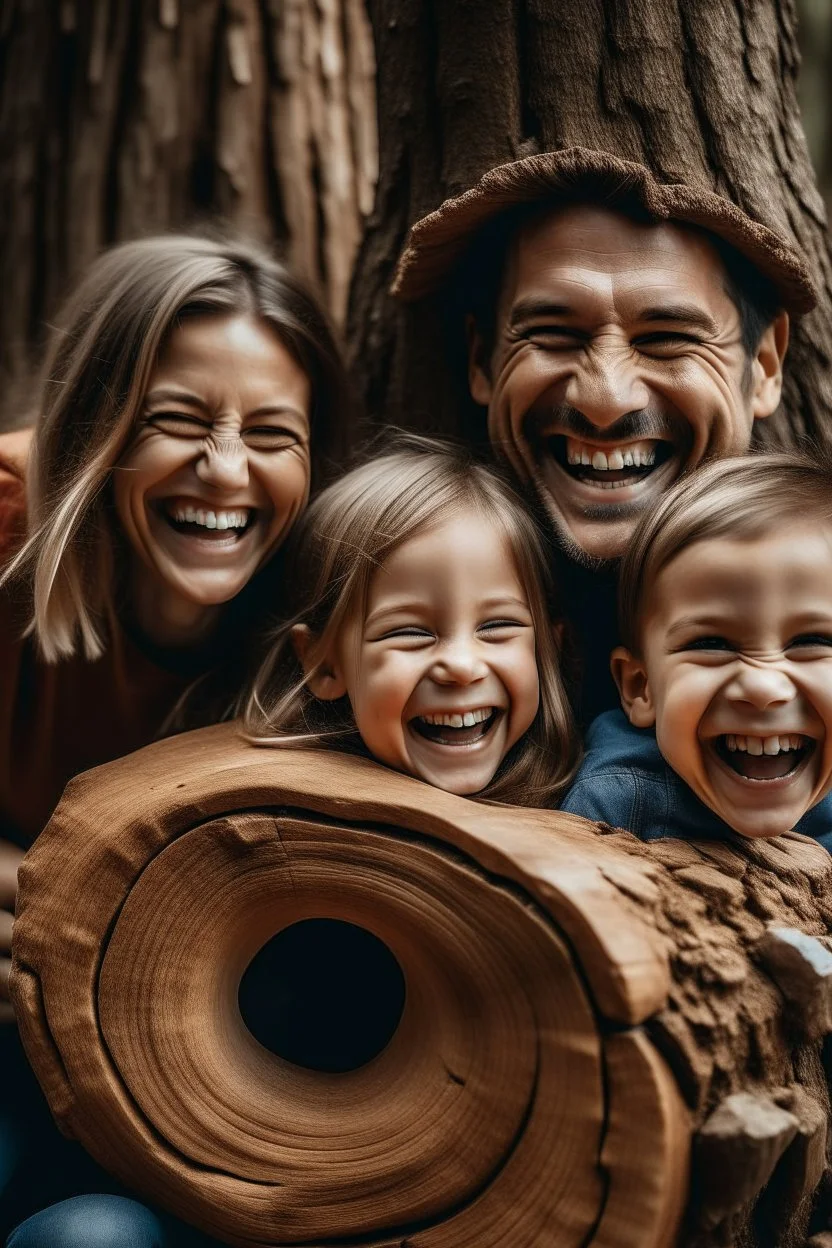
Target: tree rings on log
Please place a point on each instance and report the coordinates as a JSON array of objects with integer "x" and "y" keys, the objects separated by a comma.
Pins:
[{"x": 513, "y": 1097}]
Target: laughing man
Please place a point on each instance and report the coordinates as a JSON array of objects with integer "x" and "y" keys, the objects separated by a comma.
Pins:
[{"x": 621, "y": 332}]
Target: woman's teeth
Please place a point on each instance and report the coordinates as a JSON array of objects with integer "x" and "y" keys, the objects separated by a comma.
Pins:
[
  {"x": 462, "y": 719},
  {"x": 764, "y": 745},
  {"x": 211, "y": 519}
]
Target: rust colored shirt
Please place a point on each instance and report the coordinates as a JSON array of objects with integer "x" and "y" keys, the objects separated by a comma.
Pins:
[{"x": 59, "y": 719}]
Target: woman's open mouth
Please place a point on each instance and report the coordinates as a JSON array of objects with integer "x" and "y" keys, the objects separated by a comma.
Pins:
[
  {"x": 764, "y": 758},
  {"x": 616, "y": 466},
  {"x": 456, "y": 727},
  {"x": 208, "y": 523}
]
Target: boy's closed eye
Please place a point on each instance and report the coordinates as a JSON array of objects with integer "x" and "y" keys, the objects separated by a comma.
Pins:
[{"x": 707, "y": 644}]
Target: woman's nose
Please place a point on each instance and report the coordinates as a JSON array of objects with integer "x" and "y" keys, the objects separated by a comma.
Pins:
[{"x": 223, "y": 463}]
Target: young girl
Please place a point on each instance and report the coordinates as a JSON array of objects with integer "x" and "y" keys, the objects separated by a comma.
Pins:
[{"x": 420, "y": 632}]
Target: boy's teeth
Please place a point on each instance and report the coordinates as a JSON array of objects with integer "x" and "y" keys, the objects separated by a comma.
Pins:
[
  {"x": 763, "y": 745},
  {"x": 633, "y": 455},
  {"x": 211, "y": 519},
  {"x": 462, "y": 719}
]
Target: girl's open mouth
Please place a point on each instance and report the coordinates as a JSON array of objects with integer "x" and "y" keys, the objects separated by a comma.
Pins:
[
  {"x": 612, "y": 468},
  {"x": 764, "y": 758},
  {"x": 456, "y": 727}
]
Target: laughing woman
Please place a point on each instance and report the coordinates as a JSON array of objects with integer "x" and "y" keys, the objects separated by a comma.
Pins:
[{"x": 192, "y": 393}]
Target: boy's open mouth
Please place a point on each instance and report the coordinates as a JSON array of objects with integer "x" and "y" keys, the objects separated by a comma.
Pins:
[
  {"x": 614, "y": 466},
  {"x": 764, "y": 758},
  {"x": 210, "y": 523},
  {"x": 456, "y": 727}
]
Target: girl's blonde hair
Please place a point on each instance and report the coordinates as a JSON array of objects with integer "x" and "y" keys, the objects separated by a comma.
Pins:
[
  {"x": 740, "y": 498},
  {"x": 344, "y": 536},
  {"x": 98, "y": 364}
]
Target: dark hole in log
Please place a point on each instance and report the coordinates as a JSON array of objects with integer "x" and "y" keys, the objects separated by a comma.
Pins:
[{"x": 324, "y": 994}]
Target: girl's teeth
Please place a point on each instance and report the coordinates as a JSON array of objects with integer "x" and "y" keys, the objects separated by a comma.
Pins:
[{"x": 454, "y": 719}]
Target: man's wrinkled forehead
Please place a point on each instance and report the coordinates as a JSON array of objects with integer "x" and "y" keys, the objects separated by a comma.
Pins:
[{"x": 567, "y": 256}]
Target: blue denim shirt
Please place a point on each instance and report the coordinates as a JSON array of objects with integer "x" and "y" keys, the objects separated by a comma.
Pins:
[{"x": 624, "y": 781}]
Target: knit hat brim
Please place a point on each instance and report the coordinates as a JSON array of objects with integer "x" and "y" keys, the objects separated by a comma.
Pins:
[{"x": 437, "y": 242}]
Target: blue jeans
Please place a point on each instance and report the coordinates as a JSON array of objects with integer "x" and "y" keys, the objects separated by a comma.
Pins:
[
  {"x": 46, "y": 1181},
  {"x": 103, "y": 1222}
]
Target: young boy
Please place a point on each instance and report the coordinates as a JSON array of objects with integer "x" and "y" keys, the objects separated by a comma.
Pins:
[{"x": 725, "y": 674}]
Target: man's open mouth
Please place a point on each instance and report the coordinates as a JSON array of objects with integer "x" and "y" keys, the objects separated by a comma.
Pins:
[
  {"x": 456, "y": 727},
  {"x": 764, "y": 758},
  {"x": 210, "y": 523},
  {"x": 613, "y": 467}
]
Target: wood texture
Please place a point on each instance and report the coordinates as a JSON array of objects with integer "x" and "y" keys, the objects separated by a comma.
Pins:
[
  {"x": 125, "y": 117},
  {"x": 703, "y": 92},
  {"x": 577, "y": 1004}
]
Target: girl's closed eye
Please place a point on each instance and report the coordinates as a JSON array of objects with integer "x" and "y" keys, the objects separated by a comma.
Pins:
[{"x": 407, "y": 632}]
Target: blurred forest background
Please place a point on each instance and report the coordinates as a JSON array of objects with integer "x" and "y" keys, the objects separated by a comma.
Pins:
[
  {"x": 327, "y": 126},
  {"x": 815, "y": 85}
]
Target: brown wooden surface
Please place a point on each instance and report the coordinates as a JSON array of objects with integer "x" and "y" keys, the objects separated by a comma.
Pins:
[
  {"x": 483, "y": 1120},
  {"x": 577, "y": 1003},
  {"x": 120, "y": 118}
]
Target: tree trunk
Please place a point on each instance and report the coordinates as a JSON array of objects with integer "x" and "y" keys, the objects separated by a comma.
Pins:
[
  {"x": 700, "y": 91},
  {"x": 125, "y": 117},
  {"x": 570, "y": 1005}
]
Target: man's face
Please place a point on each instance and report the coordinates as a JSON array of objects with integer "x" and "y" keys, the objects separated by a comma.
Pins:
[{"x": 617, "y": 365}]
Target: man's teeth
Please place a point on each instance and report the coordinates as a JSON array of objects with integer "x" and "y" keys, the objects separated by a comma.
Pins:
[
  {"x": 631, "y": 455},
  {"x": 211, "y": 519},
  {"x": 764, "y": 745},
  {"x": 462, "y": 719}
]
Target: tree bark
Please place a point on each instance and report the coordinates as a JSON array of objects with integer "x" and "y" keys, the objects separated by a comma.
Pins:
[
  {"x": 126, "y": 117},
  {"x": 701, "y": 92}
]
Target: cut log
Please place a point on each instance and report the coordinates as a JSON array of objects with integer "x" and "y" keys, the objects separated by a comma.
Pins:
[
  {"x": 575, "y": 1005},
  {"x": 802, "y": 969},
  {"x": 738, "y": 1148}
]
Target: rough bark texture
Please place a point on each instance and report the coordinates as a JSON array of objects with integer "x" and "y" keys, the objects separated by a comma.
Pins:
[
  {"x": 123, "y": 117},
  {"x": 700, "y": 91}
]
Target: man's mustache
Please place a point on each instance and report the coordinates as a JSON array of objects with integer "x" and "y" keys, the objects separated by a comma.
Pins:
[{"x": 649, "y": 422}]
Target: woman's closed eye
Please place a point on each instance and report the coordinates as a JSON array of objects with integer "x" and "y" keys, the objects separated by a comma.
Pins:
[
  {"x": 269, "y": 437},
  {"x": 180, "y": 424}
]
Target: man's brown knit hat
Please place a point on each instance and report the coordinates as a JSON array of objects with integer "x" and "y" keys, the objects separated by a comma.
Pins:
[{"x": 437, "y": 242}]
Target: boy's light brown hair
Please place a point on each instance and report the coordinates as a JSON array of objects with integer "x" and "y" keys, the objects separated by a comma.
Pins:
[
  {"x": 337, "y": 545},
  {"x": 741, "y": 497}
]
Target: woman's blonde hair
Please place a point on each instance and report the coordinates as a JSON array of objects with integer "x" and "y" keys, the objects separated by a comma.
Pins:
[
  {"x": 344, "y": 536},
  {"x": 741, "y": 498},
  {"x": 96, "y": 372}
]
